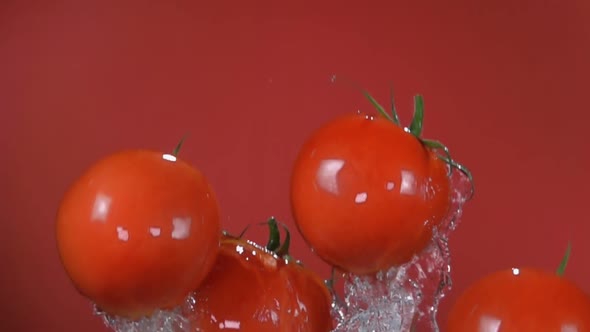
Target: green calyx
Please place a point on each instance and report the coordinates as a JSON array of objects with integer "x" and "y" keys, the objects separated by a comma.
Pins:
[
  {"x": 178, "y": 146},
  {"x": 415, "y": 129},
  {"x": 274, "y": 243},
  {"x": 274, "y": 239},
  {"x": 563, "y": 264},
  {"x": 228, "y": 234},
  {"x": 330, "y": 283}
]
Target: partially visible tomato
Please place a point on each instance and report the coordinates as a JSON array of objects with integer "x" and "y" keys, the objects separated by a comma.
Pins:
[
  {"x": 253, "y": 289},
  {"x": 138, "y": 231},
  {"x": 367, "y": 193},
  {"x": 521, "y": 300}
]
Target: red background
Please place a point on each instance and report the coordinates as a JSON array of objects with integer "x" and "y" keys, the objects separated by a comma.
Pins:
[{"x": 505, "y": 84}]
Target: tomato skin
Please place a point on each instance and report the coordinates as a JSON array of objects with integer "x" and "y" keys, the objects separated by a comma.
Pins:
[
  {"x": 138, "y": 231},
  {"x": 251, "y": 289},
  {"x": 521, "y": 300},
  {"x": 366, "y": 194}
]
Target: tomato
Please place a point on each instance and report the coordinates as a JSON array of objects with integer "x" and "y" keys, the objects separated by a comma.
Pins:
[
  {"x": 138, "y": 231},
  {"x": 366, "y": 193},
  {"x": 517, "y": 300},
  {"x": 252, "y": 289}
]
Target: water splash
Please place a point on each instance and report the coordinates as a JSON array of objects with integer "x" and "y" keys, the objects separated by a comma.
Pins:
[
  {"x": 406, "y": 297},
  {"x": 399, "y": 299},
  {"x": 174, "y": 320}
]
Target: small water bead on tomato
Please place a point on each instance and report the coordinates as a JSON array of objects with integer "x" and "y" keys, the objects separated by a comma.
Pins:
[
  {"x": 138, "y": 231},
  {"x": 366, "y": 193}
]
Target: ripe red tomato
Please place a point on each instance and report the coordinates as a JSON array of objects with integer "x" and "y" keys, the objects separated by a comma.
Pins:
[
  {"x": 366, "y": 194},
  {"x": 518, "y": 300},
  {"x": 251, "y": 289},
  {"x": 138, "y": 231}
]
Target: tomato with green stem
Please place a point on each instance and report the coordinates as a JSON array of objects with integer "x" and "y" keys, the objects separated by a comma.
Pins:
[
  {"x": 261, "y": 289},
  {"x": 367, "y": 193},
  {"x": 138, "y": 231},
  {"x": 522, "y": 299}
]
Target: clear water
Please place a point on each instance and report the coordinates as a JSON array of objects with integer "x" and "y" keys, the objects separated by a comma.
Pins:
[
  {"x": 391, "y": 301},
  {"x": 175, "y": 320},
  {"x": 406, "y": 296}
]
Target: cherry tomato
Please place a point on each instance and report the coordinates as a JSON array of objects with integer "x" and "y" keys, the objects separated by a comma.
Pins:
[
  {"x": 138, "y": 231},
  {"x": 366, "y": 194},
  {"x": 518, "y": 300},
  {"x": 251, "y": 289}
]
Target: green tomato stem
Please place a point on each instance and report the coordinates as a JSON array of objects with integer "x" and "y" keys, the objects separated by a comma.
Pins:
[
  {"x": 283, "y": 250},
  {"x": 228, "y": 234},
  {"x": 416, "y": 130},
  {"x": 380, "y": 108},
  {"x": 274, "y": 236},
  {"x": 418, "y": 119},
  {"x": 563, "y": 264},
  {"x": 393, "y": 110},
  {"x": 243, "y": 231},
  {"x": 178, "y": 146},
  {"x": 330, "y": 282}
]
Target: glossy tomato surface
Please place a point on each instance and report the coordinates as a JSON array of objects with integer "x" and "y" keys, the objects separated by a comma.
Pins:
[
  {"x": 138, "y": 231},
  {"x": 252, "y": 290},
  {"x": 521, "y": 300},
  {"x": 366, "y": 194}
]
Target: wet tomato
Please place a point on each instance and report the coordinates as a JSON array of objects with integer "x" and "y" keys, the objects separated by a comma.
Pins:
[
  {"x": 367, "y": 193},
  {"x": 518, "y": 300},
  {"x": 138, "y": 231},
  {"x": 253, "y": 289}
]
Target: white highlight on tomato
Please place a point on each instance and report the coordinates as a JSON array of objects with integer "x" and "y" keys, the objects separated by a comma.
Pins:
[
  {"x": 169, "y": 157},
  {"x": 489, "y": 324},
  {"x": 515, "y": 271},
  {"x": 230, "y": 324},
  {"x": 181, "y": 228},
  {"x": 155, "y": 231},
  {"x": 390, "y": 185},
  {"x": 360, "y": 198},
  {"x": 327, "y": 175},
  {"x": 408, "y": 186},
  {"x": 101, "y": 207},
  {"x": 569, "y": 328},
  {"x": 122, "y": 234}
]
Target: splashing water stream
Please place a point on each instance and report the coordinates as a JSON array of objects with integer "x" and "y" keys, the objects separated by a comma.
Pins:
[
  {"x": 406, "y": 296},
  {"x": 175, "y": 320},
  {"x": 394, "y": 300}
]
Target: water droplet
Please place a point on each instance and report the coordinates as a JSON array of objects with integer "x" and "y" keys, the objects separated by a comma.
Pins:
[
  {"x": 155, "y": 231},
  {"x": 122, "y": 234},
  {"x": 360, "y": 198}
]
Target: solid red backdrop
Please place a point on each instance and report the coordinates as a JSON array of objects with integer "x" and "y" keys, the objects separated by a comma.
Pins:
[{"x": 505, "y": 85}]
